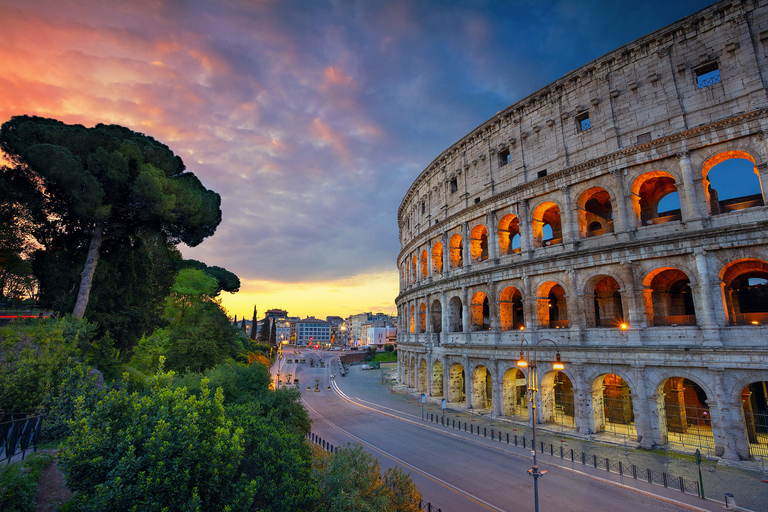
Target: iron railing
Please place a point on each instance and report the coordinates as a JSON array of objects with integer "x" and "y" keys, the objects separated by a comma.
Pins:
[{"x": 18, "y": 434}]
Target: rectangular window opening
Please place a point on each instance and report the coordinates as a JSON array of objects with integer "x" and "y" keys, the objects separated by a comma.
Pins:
[
  {"x": 504, "y": 157},
  {"x": 541, "y": 174},
  {"x": 582, "y": 121},
  {"x": 423, "y": 208},
  {"x": 454, "y": 185},
  {"x": 708, "y": 74}
]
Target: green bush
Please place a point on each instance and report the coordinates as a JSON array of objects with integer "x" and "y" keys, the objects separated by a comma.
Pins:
[
  {"x": 278, "y": 459},
  {"x": 18, "y": 482},
  {"x": 351, "y": 480},
  {"x": 165, "y": 450},
  {"x": 59, "y": 403}
]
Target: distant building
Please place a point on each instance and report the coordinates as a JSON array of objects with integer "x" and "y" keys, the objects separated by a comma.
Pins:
[
  {"x": 355, "y": 323},
  {"x": 312, "y": 330}
]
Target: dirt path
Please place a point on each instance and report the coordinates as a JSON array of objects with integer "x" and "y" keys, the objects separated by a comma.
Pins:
[{"x": 51, "y": 492}]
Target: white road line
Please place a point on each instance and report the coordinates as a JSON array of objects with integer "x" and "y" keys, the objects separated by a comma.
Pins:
[{"x": 432, "y": 477}]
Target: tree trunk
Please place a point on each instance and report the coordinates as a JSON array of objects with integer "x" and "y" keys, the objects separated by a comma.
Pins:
[{"x": 86, "y": 276}]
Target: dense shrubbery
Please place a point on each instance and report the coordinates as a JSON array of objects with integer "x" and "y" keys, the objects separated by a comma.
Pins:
[
  {"x": 351, "y": 480},
  {"x": 166, "y": 450},
  {"x": 18, "y": 482}
]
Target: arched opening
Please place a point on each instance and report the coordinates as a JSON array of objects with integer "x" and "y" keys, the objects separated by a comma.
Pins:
[
  {"x": 413, "y": 321},
  {"x": 546, "y": 225},
  {"x": 436, "y": 316},
  {"x": 413, "y": 269},
  {"x": 456, "y": 391},
  {"x": 437, "y": 378},
  {"x": 557, "y": 400},
  {"x": 745, "y": 292},
  {"x": 437, "y": 258},
  {"x": 424, "y": 264},
  {"x": 612, "y": 407},
  {"x": 754, "y": 399},
  {"x": 478, "y": 243},
  {"x": 655, "y": 199},
  {"x": 595, "y": 213},
  {"x": 454, "y": 315},
  {"x": 685, "y": 419},
  {"x": 668, "y": 298},
  {"x": 422, "y": 317},
  {"x": 551, "y": 306},
  {"x": 422, "y": 385},
  {"x": 480, "y": 311},
  {"x": 606, "y": 309},
  {"x": 482, "y": 388},
  {"x": 511, "y": 309},
  {"x": 456, "y": 251},
  {"x": 509, "y": 235},
  {"x": 731, "y": 182},
  {"x": 514, "y": 390}
]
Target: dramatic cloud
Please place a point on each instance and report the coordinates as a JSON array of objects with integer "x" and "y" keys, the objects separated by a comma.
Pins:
[{"x": 311, "y": 118}]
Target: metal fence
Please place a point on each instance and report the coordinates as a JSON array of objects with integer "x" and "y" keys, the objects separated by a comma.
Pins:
[
  {"x": 19, "y": 433},
  {"x": 611, "y": 466}
]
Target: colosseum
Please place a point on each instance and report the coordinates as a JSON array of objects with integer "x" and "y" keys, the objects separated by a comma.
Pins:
[{"x": 618, "y": 215}]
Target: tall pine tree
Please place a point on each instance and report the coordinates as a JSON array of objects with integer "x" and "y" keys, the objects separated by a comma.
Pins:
[
  {"x": 242, "y": 324},
  {"x": 273, "y": 334},
  {"x": 264, "y": 331},
  {"x": 253, "y": 324}
]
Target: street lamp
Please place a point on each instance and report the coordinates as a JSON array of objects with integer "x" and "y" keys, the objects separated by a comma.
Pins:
[{"x": 523, "y": 362}]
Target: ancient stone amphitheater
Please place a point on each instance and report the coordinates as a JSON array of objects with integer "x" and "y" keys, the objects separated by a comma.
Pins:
[{"x": 618, "y": 212}]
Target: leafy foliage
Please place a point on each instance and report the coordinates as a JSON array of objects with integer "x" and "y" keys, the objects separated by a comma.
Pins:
[
  {"x": 166, "y": 450},
  {"x": 278, "y": 459},
  {"x": 107, "y": 182},
  {"x": 351, "y": 480},
  {"x": 18, "y": 482}
]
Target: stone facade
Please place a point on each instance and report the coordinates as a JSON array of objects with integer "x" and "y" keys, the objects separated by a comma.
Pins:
[{"x": 543, "y": 224}]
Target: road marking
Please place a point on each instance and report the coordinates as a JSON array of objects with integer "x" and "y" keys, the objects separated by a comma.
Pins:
[{"x": 423, "y": 473}]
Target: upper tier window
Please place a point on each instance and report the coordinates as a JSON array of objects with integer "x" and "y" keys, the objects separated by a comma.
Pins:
[{"x": 707, "y": 75}]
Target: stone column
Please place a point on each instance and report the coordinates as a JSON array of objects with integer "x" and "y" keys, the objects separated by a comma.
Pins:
[
  {"x": 643, "y": 409},
  {"x": 446, "y": 379},
  {"x": 444, "y": 314},
  {"x": 727, "y": 421},
  {"x": 692, "y": 206},
  {"x": 466, "y": 251},
  {"x": 465, "y": 327},
  {"x": 705, "y": 292},
  {"x": 529, "y": 306},
  {"x": 428, "y": 316},
  {"x": 574, "y": 306},
  {"x": 429, "y": 374},
  {"x": 526, "y": 228},
  {"x": 493, "y": 235},
  {"x": 493, "y": 307},
  {"x": 622, "y": 223},
  {"x": 446, "y": 254},
  {"x": 566, "y": 220},
  {"x": 762, "y": 173},
  {"x": 467, "y": 383},
  {"x": 430, "y": 271},
  {"x": 496, "y": 394}
]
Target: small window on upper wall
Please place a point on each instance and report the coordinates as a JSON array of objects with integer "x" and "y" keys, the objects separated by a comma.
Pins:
[
  {"x": 541, "y": 174},
  {"x": 423, "y": 208},
  {"x": 707, "y": 75},
  {"x": 504, "y": 157},
  {"x": 454, "y": 185},
  {"x": 477, "y": 200},
  {"x": 582, "y": 122}
]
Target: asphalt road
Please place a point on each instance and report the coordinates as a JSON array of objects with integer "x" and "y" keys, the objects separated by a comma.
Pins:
[{"x": 454, "y": 472}]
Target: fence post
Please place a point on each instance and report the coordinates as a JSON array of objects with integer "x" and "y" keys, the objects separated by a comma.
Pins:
[
  {"x": 485, "y": 432},
  {"x": 664, "y": 477},
  {"x": 551, "y": 449},
  {"x": 507, "y": 437},
  {"x": 607, "y": 465},
  {"x": 634, "y": 471},
  {"x": 594, "y": 460},
  {"x": 682, "y": 485},
  {"x": 620, "y": 469},
  {"x": 583, "y": 459},
  {"x": 571, "y": 454},
  {"x": 650, "y": 476}
]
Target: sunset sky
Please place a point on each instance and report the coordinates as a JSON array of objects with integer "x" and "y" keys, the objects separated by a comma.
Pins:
[{"x": 310, "y": 118}]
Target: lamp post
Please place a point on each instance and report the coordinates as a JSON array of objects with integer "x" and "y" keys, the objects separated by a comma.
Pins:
[{"x": 523, "y": 362}]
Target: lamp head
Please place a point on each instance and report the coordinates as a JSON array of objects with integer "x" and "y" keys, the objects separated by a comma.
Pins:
[
  {"x": 522, "y": 363},
  {"x": 558, "y": 365}
]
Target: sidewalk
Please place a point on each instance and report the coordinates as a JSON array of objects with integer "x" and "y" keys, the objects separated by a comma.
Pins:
[{"x": 741, "y": 479}]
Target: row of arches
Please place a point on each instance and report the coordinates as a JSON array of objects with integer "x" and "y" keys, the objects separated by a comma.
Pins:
[
  {"x": 667, "y": 296},
  {"x": 681, "y": 405},
  {"x": 730, "y": 181}
]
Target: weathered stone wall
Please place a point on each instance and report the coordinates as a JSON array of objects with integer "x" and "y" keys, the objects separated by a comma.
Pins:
[{"x": 652, "y": 130}]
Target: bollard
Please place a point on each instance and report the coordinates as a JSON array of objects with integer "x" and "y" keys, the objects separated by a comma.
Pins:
[
  {"x": 485, "y": 432},
  {"x": 507, "y": 437},
  {"x": 634, "y": 471},
  {"x": 571, "y": 454}
]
